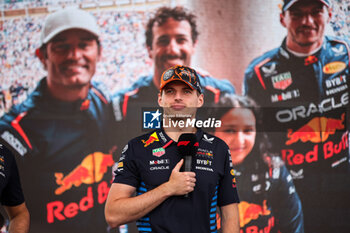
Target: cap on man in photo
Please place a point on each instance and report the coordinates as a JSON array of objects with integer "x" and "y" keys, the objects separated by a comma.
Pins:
[
  {"x": 68, "y": 18},
  {"x": 288, "y": 3},
  {"x": 181, "y": 73}
]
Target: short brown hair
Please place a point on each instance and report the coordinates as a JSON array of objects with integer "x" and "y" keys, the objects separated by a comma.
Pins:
[{"x": 163, "y": 14}]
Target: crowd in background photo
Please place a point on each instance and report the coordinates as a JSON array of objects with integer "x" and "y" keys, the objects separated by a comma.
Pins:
[{"x": 341, "y": 18}]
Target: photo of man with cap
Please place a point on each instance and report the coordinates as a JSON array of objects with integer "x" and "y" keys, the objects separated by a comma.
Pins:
[
  {"x": 150, "y": 166},
  {"x": 61, "y": 135},
  {"x": 303, "y": 88}
]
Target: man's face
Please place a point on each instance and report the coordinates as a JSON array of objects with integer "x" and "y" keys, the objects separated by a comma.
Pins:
[
  {"x": 71, "y": 58},
  {"x": 178, "y": 98},
  {"x": 238, "y": 130},
  {"x": 172, "y": 45},
  {"x": 305, "y": 23}
]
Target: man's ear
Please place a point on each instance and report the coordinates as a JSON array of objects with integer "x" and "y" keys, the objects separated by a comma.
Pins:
[
  {"x": 149, "y": 50},
  {"x": 329, "y": 15},
  {"x": 99, "y": 52},
  {"x": 160, "y": 99},
  {"x": 282, "y": 19},
  {"x": 41, "y": 53},
  {"x": 200, "y": 100}
]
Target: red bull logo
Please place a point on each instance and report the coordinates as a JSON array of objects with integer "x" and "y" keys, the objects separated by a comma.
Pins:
[
  {"x": 90, "y": 170},
  {"x": 329, "y": 149},
  {"x": 316, "y": 130},
  {"x": 234, "y": 183},
  {"x": 249, "y": 211},
  {"x": 85, "y": 105},
  {"x": 151, "y": 139},
  {"x": 310, "y": 60}
]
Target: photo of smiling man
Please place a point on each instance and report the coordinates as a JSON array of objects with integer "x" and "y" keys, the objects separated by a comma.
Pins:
[{"x": 303, "y": 87}]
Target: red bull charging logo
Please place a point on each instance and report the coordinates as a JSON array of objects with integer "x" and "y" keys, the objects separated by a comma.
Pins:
[
  {"x": 316, "y": 130},
  {"x": 90, "y": 170},
  {"x": 150, "y": 140},
  {"x": 250, "y": 211}
]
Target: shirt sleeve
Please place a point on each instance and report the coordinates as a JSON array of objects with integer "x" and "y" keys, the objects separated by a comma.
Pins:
[
  {"x": 227, "y": 192},
  {"x": 12, "y": 194},
  {"x": 126, "y": 171},
  {"x": 251, "y": 86}
]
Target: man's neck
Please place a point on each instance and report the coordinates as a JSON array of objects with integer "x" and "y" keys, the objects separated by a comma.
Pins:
[
  {"x": 65, "y": 94},
  {"x": 303, "y": 49},
  {"x": 303, "y": 55}
]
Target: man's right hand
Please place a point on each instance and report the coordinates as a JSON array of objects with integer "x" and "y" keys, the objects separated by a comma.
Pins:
[
  {"x": 181, "y": 183},
  {"x": 122, "y": 207}
]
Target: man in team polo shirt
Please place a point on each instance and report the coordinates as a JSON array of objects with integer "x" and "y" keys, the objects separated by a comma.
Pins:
[
  {"x": 150, "y": 167},
  {"x": 302, "y": 87}
]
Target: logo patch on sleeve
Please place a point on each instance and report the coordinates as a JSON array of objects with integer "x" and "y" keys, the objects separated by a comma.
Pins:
[{"x": 14, "y": 142}]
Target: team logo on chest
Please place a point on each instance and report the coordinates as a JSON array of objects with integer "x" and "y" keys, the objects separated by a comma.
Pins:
[
  {"x": 282, "y": 81},
  {"x": 209, "y": 140},
  {"x": 159, "y": 164},
  {"x": 334, "y": 67},
  {"x": 338, "y": 51},
  {"x": 310, "y": 60},
  {"x": 150, "y": 140},
  {"x": 158, "y": 152},
  {"x": 205, "y": 153},
  {"x": 269, "y": 70}
]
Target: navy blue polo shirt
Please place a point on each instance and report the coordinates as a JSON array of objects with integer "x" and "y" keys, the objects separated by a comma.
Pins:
[{"x": 147, "y": 161}]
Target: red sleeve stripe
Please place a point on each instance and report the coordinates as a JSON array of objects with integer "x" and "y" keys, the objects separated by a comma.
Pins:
[
  {"x": 258, "y": 73},
  {"x": 126, "y": 99},
  {"x": 18, "y": 128},
  {"x": 216, "y": 93},
  {"x": 103, "y": 99}
]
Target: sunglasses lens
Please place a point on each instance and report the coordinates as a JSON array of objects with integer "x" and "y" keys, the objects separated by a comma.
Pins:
[{"x": 168, "y": 74}]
